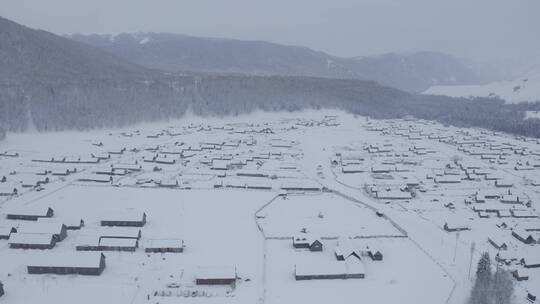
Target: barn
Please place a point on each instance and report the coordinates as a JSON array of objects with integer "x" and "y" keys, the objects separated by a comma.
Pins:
[
  {"x": 225, "y": 275},
  {"x": 125, "y": 219},
  {"x": 32, "y": 241},
  {"x": 164, "y": 245},
  {"x": 80, "y": 263},
  {"x": 30, "y": 214}
]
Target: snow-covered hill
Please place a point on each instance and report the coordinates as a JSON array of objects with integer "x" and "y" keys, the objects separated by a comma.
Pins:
[{"x": 526, "y": 88}]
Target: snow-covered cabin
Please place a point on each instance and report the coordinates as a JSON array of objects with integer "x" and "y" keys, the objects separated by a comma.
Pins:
[
  {"x": 58, "y": 230},
  {"x": 497, "y": 242},
  {"x": 531, "y": 260},
  {"x": 329, "y": 270},
  {"x": 30, "y": 213},
  {"x": 521, "y": 274},
  {"x": 8, "y": 191},
  {"x": 524, "y": 236},
  {"x": 164, "y": 245},
  {"x": 523, "y": 213},
  {"x": 452, "y": 226},
  {"x": 79, "y": 263},
  {"x": 127, "y": 218},
  {"x": 32, "y": 241},
  {"x": 217, "y": 275},
  {"x": 118, "y": 244},
  {"x": 6, "y": 231},
  {"x": 307, "y": 242},
  {"x": 393, "y": 194},
  {"x": 71, "y": 223}
]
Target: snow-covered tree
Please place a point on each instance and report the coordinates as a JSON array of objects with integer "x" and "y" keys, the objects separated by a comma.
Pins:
[
  {"x": 481, "y": 291},
  {"x": 503, "y": 287}
]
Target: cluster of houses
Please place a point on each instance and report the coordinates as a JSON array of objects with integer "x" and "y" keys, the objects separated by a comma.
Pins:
[{"x": 37, "y": 228}]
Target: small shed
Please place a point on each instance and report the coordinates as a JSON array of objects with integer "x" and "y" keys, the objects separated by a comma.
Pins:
[
  {"x": 520, "y": 274},
  {"x": 224, "y": 275},
  {"x": 307, "y": 242},
  {"x": 375, "y": 255},
  {"x": 453, "y": 227}
]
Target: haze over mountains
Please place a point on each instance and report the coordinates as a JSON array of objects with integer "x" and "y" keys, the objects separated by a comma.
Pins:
[
  {"x": 413, "y": 72},
  {"x": 50, "y": 82}
]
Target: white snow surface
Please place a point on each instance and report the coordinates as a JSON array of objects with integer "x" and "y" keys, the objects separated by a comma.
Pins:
[{"x": 226, "y": 220}]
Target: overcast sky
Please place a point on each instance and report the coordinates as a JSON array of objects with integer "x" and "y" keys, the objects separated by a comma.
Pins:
[{"x": 476, "y": 29}]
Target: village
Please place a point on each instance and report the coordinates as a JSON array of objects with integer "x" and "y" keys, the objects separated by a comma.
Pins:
[{"x": 268, "y": 208}]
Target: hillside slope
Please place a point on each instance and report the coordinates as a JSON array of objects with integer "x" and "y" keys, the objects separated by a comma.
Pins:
[
  {"x": 526, "y": 88},
  {"x": 32, "y": 55}
]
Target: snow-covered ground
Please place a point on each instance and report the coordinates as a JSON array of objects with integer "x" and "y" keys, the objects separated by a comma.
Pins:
[
  {"x": 237, "y": 190},
  {"x": 526, "y": 88}
]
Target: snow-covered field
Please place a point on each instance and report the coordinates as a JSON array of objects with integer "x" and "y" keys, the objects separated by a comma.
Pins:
[
  {"x": 526, "y": 88},
  {"x": 237, "y": 191}
]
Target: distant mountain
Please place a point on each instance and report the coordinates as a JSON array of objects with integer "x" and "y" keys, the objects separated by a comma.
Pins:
[
  {"x": 413, "y": 72},
  {"x": 49, "y": 82},
  {"x": 525, "y": 88}
]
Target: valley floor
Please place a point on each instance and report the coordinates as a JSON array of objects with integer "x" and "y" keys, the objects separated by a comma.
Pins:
[{"x": 236, "y": 191}]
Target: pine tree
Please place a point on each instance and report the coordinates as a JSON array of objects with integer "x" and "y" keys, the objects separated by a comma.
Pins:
[
  {"x": 481, "y": 292},
  {"x": 503, "y": 287}
]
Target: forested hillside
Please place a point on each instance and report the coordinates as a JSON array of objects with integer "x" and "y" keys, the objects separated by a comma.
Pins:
[{"x": 52, "y": 83}]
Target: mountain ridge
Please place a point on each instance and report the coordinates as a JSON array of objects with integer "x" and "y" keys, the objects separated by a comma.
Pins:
[{"x": 409, "y": 71}]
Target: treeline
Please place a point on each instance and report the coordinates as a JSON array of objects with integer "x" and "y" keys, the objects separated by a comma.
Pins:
[
  {"x": 60, "y": 104},
  {"x": 489, "y": 287},
  {"x": 489, "y": 113}
]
